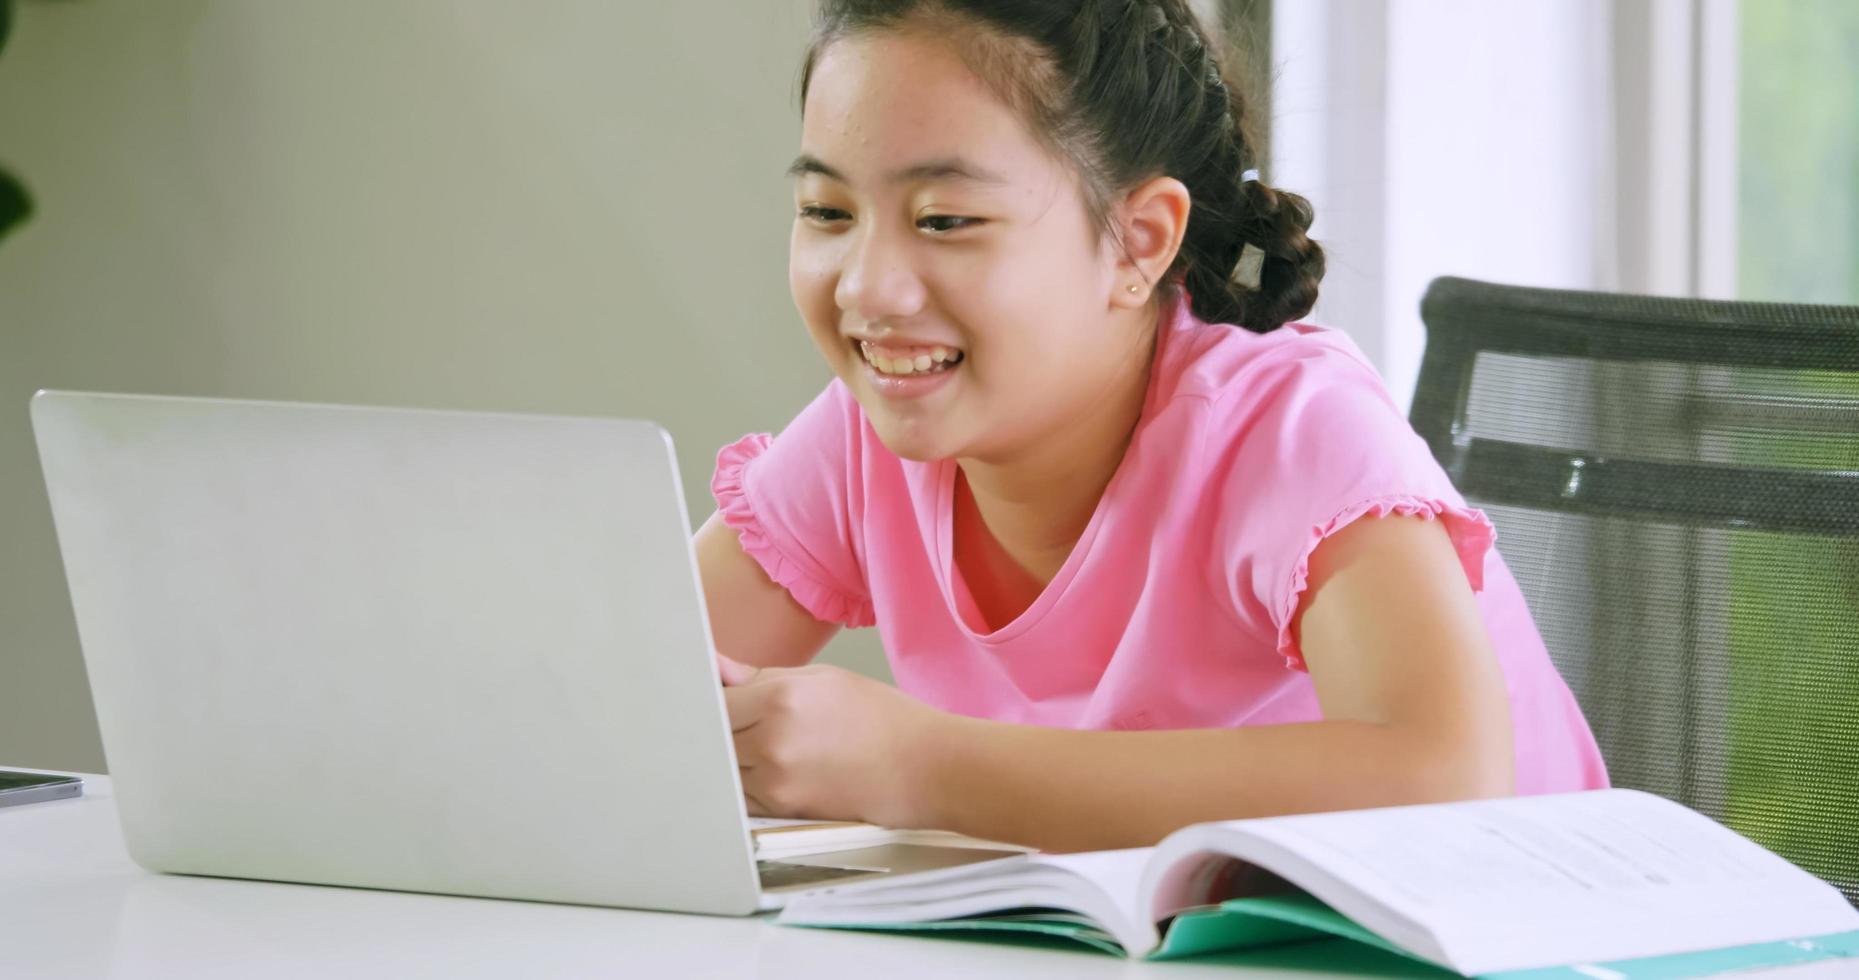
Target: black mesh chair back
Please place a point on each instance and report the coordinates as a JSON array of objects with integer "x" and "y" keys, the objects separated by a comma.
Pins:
[{"x": 1675, "y": 484}]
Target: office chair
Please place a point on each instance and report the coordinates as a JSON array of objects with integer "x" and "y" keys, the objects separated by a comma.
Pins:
[{"x": 1675, "y": 484}]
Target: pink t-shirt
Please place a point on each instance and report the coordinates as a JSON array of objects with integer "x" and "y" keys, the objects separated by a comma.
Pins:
[{"x": 1174, "y": 608}]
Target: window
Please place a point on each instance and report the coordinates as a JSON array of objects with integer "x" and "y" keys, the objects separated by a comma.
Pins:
[{"x": 1797, "y": 113}]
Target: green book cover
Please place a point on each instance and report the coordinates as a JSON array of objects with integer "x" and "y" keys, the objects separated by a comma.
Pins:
[
  {"x": 1251, "y": 923},
  {"x": 1298, "y": 931}
]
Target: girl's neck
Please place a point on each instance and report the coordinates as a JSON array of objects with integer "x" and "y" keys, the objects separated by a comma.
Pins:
[{"x": 1038, "y": 504}]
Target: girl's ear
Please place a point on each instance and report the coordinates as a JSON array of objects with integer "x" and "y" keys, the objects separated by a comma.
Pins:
[{"x": 1152, "y": 218}]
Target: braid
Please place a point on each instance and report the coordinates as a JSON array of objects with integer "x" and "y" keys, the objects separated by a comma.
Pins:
[{"x": 1228, "y": 211}]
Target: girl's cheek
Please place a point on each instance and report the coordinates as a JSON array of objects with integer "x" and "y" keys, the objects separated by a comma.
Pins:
[{"x": 813, "y": 274}]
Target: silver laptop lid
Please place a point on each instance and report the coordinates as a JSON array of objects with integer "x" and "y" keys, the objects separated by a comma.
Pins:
[{"x": 436, "y": 651}]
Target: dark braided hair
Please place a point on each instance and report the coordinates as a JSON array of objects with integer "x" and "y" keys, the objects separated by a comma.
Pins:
[{"x": 1127, "y": 90}]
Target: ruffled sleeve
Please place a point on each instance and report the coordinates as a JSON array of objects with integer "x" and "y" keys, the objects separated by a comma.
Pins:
[
  {"x": 780, "y": 552},
  {"x": 1470, "y": 530},
  {"x": 1311, "y": 443}
]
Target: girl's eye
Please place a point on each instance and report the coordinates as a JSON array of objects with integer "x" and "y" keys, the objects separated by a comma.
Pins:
[
  {"x": 822, "y": 215},
  {"x": 942, "y": 224}
]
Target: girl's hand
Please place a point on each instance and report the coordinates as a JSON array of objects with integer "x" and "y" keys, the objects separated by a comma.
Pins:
[{"x": 824, "y": 743}]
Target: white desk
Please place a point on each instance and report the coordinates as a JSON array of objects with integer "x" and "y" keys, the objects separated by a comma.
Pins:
[{"x": 72, "y": 904}]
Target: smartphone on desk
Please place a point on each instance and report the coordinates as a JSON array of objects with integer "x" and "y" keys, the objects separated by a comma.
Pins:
[{"x": 36, "y": 787}]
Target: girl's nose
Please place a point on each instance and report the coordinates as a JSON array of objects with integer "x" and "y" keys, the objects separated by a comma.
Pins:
[{"x": 879, "y": 281}]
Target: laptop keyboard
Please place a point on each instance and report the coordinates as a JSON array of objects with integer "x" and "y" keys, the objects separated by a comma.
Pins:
[{"x": 782, "y": 874}]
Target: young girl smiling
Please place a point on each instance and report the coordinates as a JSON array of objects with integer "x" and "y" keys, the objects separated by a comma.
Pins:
[{"x": 1141, "y": 551}]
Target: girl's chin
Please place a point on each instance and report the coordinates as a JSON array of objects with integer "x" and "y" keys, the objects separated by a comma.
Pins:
[
  {"x": 909, "y": 441},
  {"x": 914, "y": 428},
  {"x": 915, "y": 450}
]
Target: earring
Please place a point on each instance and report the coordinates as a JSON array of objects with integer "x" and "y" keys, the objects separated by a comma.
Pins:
[{"x": 1135, "y": 288}]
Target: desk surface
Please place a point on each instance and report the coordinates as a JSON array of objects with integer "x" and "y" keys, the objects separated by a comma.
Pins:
[{"x": 72, "y": 904}]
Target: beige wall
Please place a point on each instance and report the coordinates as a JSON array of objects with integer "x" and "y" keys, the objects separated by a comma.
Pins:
[{"x": 570, "y": 207}]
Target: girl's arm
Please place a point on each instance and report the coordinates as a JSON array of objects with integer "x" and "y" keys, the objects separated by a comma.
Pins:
[
  {"x": 1414, "y": 704},
  {"x": 752, "y": 619},
  {"x": 1415, "y": 710}
]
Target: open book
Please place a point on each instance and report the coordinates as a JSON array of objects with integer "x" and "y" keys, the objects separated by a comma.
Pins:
[{"x": 1478, "y": 887}]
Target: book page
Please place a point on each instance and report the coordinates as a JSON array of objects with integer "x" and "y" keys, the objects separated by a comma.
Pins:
[
  {"x": 777, "y": 839},
  {"x": 1117, "y": 873},
  {"x": 1099, "y": 885},
  {"x": 759, "y": 824},
  {"x": 1546, "y": 880}
]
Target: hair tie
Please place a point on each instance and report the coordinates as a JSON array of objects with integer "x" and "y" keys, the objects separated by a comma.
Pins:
[
  {"x": 1251, "y": 258},
  {"x": 1251, "y": 263}
]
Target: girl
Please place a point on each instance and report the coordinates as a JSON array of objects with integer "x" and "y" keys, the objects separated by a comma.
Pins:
[{"x": 1141, "y": 552}]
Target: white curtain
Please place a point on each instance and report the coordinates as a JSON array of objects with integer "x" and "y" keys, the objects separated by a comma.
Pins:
[{"x": 1559, "y": 143}]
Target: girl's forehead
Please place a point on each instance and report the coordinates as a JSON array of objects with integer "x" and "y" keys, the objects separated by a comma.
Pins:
[{"x": 882, "y": 102}]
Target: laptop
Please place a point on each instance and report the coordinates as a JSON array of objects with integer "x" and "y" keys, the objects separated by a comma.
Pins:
[{"x": 451, "y": 652}]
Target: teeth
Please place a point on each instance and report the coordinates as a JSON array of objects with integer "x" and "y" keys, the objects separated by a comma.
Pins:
[{"x": 920, "y": 364}]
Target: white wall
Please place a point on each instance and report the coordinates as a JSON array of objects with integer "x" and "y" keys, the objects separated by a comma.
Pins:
[{"x": 574, "y": 206}]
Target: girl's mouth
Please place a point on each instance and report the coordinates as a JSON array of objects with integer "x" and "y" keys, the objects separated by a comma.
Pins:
[
  {"x": 907, "y": 372},
  {"x": 907, "y": 361}
]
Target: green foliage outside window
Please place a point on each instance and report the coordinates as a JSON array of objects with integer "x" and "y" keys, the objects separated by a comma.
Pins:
[{"x": 1794, "y": 629}]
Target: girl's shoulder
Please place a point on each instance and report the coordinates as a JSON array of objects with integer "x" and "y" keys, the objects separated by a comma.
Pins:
[
  {"x": 1238, "y": 369},
  {"x": 1298, "y": 411}
]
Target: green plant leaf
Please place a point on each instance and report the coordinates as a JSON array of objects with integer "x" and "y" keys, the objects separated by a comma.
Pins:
[{"x": 15, "y": 204}]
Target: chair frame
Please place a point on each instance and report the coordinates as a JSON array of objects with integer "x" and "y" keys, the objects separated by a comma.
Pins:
[{"x": 1460, "y": 314}]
